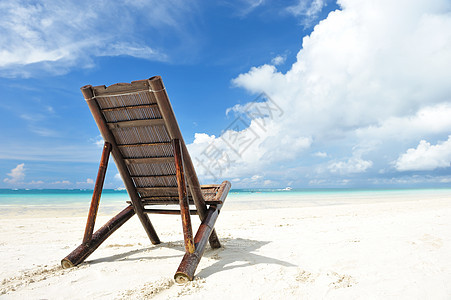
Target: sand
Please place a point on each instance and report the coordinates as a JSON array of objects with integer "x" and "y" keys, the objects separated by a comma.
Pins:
[{"x": 390, "y": 250}]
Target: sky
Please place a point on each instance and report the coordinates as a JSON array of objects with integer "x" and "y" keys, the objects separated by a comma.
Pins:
[{"x": 268, "y": 94}]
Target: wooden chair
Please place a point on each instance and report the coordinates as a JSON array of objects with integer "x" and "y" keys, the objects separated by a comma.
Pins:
[{"x": 140, "y": 130}]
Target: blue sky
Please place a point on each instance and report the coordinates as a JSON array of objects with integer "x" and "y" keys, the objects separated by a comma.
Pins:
[{"x": 267, "y": 93}]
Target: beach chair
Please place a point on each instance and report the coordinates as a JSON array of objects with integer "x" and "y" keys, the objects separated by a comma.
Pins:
[{"x": 138, "y": 125}]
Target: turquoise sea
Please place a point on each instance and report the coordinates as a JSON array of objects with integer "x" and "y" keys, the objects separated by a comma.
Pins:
[{"x": 48, "y": 199}]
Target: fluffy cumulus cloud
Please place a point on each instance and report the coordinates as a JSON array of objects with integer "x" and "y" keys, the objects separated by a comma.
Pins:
[
  {"x": 16, "y": 175},
  {"x": 428, "y": 120},
  {"x": 370, "y": 81},
  {"x": 16, "y": 178},
  {"x": 56, "y": 34},
  {"x": 426, "y": 157}
]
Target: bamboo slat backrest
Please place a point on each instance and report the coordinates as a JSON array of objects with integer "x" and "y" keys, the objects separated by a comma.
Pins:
[{"x": 143, "y": 136}]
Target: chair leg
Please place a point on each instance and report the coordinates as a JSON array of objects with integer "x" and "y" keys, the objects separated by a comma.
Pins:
[
  {"x": 85, "y": 249},
  {"x": 190, "y": 261},
  {"x": 183, "y": 197},
  {"x": 214, "y": 240},
  {"x": 97, "y": 193}
]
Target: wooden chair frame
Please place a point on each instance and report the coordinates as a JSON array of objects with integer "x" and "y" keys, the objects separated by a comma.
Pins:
[{"x": 207, "y": 209}]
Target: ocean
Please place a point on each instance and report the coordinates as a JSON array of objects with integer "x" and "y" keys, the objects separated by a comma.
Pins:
[{"x": 75, "y": 202}]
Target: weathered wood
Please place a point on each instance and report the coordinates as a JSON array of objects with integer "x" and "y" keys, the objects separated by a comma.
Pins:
[
  {"x": 222, "y": 192},
  {"x": 209, "y": 186},
  {"x": 167, "y": 211},
  {"x": 148, "y": 200},
  {"x": 159, "y": 190},
  {"x": 159, "y": 91},
  {"x": 97, "y": 193},
  {"x": 164, "y": 200},
  {"x": 120, "y": 89},
  {"x": 85, "y": 249},
  {"x": 170, "y": 200},
  {"x": 183, "y": 197},
  {"x": 136, "y": 123},
  {"x": 129, "y": 107},
  {"x": 120, "y": 164},
  {"x": 150, "y": 160},
  {"x": 190, "y": 261},
  {"x": 152, "y": 176},
  {"x": 144, "y": 144}
]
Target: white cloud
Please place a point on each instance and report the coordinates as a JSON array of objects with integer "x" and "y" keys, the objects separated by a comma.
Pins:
[
  {"x": 320, "y": 154},
  {"x": 427, "y": 120},
  {"x": 36, "y": 182},
  {"x": 308, "y": 10},
  {"x": 278, "y": 60},
  {"x": 412, "y": 180},
  {"x": 328, "y": 182},
  {"x": 98, "y": 141},
  {"x": 317, "y": 182},
  {"x": 16, "y": 175},
  {"x": 62, "y": 182},
  {"x": 255, "y": 180},
  {"x": 37, "y": 36},
  {"x": 363, "y": 76},
  {"x": 244, "y": 7},
  {"x": 135, "y": 50},
  {"x": 256, "y": 177},
  {"x": 350, "y": 166},
  {"x": 350, "y": 69},
  {"x": 241, "y": 152},
  {"x": 118, "y": 177},
  {"x": 88, "y": 181},
  {"x": 426, "y": 157}
]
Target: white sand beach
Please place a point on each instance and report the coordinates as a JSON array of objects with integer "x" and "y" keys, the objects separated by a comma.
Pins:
[{"x": 386, "y": 250}]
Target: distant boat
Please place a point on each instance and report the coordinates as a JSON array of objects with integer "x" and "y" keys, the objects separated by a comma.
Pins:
[{"x": 287, "y": 189}]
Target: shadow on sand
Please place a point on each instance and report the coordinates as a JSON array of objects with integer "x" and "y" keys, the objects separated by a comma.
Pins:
[
  {"x": 234, "y": 253},
  {"x": 145, "y": 251},
  {"x": 238, "y": 253}
]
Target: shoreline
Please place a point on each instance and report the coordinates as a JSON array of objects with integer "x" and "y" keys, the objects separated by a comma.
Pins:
[{"x": 111, "y": 203}]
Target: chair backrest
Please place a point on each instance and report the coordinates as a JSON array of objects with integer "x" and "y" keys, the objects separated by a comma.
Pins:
[{"x": 142, "y": 123}]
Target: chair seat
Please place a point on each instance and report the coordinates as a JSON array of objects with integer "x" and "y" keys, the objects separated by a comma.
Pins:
[{"x": 212, "y": 194}]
